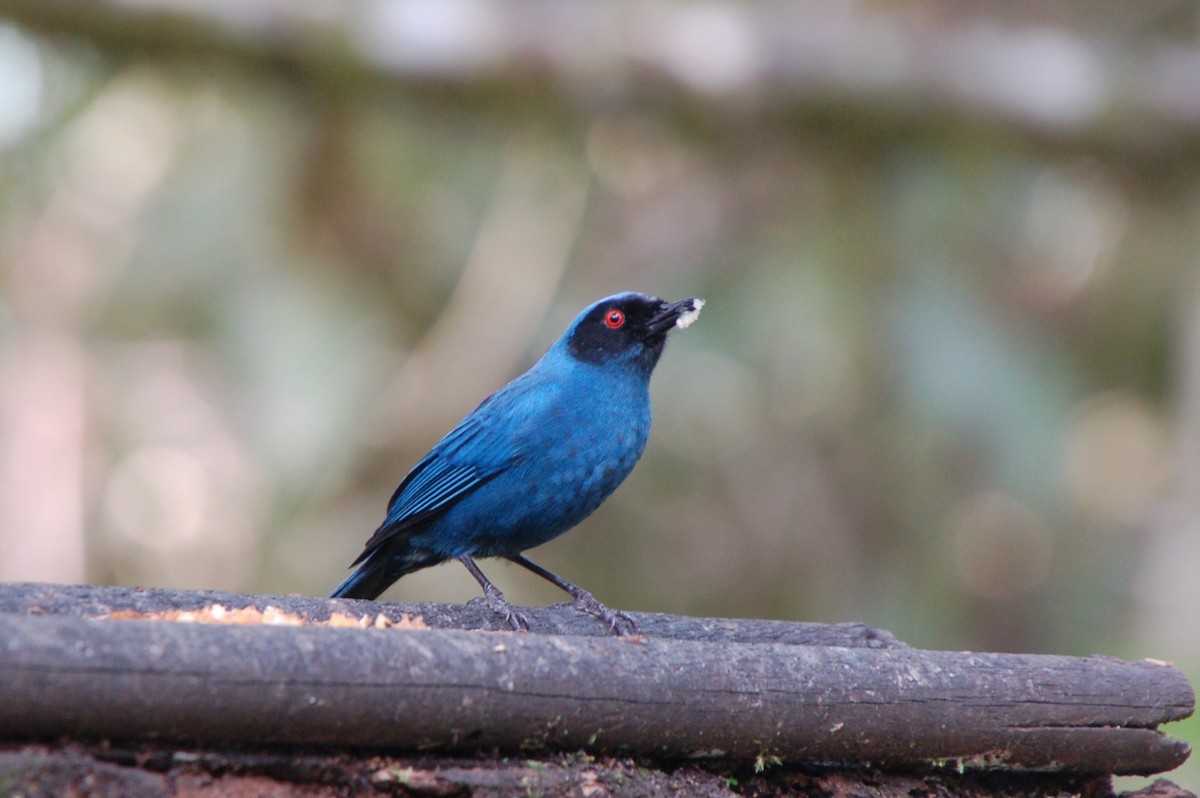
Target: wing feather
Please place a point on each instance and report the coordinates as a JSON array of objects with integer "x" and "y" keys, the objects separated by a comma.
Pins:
[
  {"x": 437, "y": 484},
  {"x": 470, "y": 455}
]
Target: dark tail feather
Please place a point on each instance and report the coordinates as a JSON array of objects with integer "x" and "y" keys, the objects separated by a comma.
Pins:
[
  {"x": 367, "y": 581},
  {"x": 378, "y": 571}
]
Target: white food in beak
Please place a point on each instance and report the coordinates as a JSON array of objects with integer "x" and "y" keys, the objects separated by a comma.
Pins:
[{"x": 688, "y": 316}]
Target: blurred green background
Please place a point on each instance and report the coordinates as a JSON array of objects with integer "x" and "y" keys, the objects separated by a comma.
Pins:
[{"x": 258, "y": 257}]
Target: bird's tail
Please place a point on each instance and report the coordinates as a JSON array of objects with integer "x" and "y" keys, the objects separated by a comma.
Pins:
[
  {"x": 367, "y": 582},
  {"x": 379, "y": 570}
]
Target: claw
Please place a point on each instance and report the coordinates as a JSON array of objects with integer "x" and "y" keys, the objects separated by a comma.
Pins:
[
  {"x": 511, "y": 616},
  {"x": 517, "y": 620},
  {"x": 495, "y": 599},
  {"x": 618, "y": 622}
]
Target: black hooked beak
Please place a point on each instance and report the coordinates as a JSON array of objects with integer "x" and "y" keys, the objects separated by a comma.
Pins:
[{"x": 672, "y": 314}]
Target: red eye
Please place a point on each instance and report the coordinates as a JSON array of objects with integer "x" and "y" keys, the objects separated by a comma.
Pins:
[{"x": 614, "y": 318}]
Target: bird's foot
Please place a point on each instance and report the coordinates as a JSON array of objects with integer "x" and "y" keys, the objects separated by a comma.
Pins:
[
  {"x": 618, "y": 622},
  {"x": 511, "y": 616}
]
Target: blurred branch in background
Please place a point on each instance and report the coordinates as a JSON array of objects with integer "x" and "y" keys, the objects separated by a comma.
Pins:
[
  {"x": 1060, "y": 75},
  {"x": 258, "y": 256}
]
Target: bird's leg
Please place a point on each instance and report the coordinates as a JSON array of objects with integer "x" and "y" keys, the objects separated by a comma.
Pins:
[
  {"x": 495, "y": 599},
  {"x": 618, "y": 621}
]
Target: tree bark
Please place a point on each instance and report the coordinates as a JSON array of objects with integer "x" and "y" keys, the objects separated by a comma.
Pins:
[
  {"x": 160, "y": 771},
  {"x": 654, "y": 695},
  {"x": 91, "y": 601}
]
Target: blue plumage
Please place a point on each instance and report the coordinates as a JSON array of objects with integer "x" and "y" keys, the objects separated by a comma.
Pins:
[{"x": 534, "y": 459}]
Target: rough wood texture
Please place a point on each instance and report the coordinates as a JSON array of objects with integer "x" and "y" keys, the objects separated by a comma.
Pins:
[
  {"x": 158, "y": 771},
  {"x": 90, "y": 601},
  {"x": 456, "y": 690}
]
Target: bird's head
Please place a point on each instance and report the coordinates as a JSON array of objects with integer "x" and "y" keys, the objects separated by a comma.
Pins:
[{"x": 628, "y": 328}]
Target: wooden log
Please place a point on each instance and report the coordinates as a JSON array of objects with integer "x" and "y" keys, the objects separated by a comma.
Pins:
[
  {"x": 90, "y": 601},
  {"x": 455, "y": 690},
  {"x": 150, "y": 770}
]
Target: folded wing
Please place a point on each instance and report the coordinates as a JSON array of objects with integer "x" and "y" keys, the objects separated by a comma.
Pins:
[{"x": 470, "y": 455}]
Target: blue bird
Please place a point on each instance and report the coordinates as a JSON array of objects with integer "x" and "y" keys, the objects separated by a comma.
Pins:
[{"x": 533, "y": 460}]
